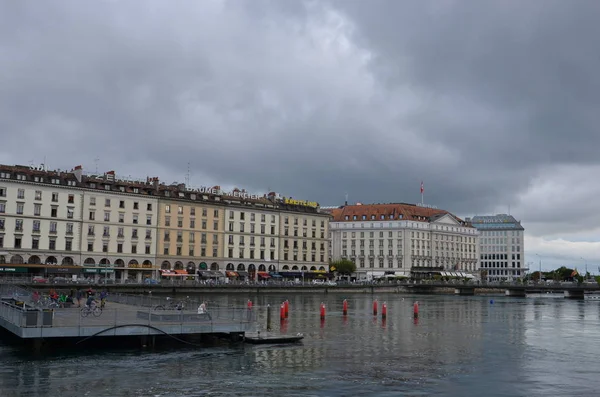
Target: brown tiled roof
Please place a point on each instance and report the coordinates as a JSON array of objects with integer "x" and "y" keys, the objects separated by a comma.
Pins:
[{"x": 389, "y": 211}]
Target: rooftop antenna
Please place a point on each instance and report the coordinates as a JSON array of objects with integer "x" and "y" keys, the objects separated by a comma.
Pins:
[{"x": 96, "y": 162}]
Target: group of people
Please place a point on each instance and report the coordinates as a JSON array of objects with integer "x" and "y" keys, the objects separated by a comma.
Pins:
[{"x": 73, "y": 297}]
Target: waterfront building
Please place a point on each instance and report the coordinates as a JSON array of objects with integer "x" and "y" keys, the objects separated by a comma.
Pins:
[
  {"x": 119, "y": 228},
  {"x": 501, "y": 247},
  {"x": 190, "y": 232},
  {"x": 40, "y": 215},
  {"x": 403, "y": 240}
]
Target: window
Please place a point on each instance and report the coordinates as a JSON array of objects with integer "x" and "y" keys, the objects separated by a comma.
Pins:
[
  {"x": 120, "y": 248},
  {"x": 2, "y": 192},
  {"x": 148, "y": 220},
  {"x": 90, "y": 246},
  {"x": 52, "y": 244},
  {"x": 92, "y": 200},
  {"x": 105, "y": 245},
  {"x": 106, "y": 232},
  {"x": 166, "y": 251},
  {"x": 107, "y": 217},
  {"x": 35, "y": 243},
  {"x": 54, "y": 212},
  {"x": 18, "y": 242},
  {"x": 136, "y": 205},
  {"x": 216, "y": 213},
  {"x": 147, "y": 250},
  {"x": 92, "y": 216},
  {"x": 192, "y": 223},
  {"x": 21, "y": 193},
  {"x": 216, "y": 225},
  {"x": 69, "y": 245},
  {"x": 107, "y": 202},
  {"x": 135, "y": 219},
  {"x": 91, "y": 230},
  {"x": 193, "y": 211},
  {"x": 203, "y": 224},
  {"x": 214, "y": 253},
  {"x": 70, "y": 212},
  {"x": 149, "y": 207},
  {"x": 180, "y": 210},
  {"x": 37, "y": 209},
  {"x": 53, "y": 227},
  {"x": 36, "y": 226},
  {"x": 121, "y": 232},
  {"x": 20, "y": 208},
  {"x": 148, "y": 234},
  {"x": 71, "y": 199},
  {"x": 2, "y": 207},
  {"x": 38, "y": 195},
  {"x": 167, "y": 209},
  {"x": 69, "y": 228},
  {"x": 167, "y": 221},
  {"x": 178, "y": 251},
  {"x": 179, "y": 222}
]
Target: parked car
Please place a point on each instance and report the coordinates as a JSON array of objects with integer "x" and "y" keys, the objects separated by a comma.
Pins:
[
  {"x": 40, "y": 280},
  {"x": 331, "y": 283},
  {"x": 318, "y": 282},
  {"x": 61, "y": 280}
]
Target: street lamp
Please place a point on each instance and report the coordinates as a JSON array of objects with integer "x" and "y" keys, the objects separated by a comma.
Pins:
[{"x": 585, "y": 262}]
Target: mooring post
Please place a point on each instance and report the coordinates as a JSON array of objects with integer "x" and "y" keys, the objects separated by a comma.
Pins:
[{"x": 268, "y": 317}]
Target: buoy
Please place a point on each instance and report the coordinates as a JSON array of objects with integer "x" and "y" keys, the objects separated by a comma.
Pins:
[
  {"x": 416, "y": 309},
  {"x": 375, "y": 307},
  {"x": 491, "y": 301},
  {"x": 322, "y": 311},
  {"x": 287, "y": 308},
  {"x": 384, "y": 310},
  {"x": 249, "y": 304},
  {"x": 345, "y": 307},
  {"x": 282, "y": 312}
]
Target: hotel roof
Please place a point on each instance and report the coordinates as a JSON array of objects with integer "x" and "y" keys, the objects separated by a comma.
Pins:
[
  {"x": 391, "y": 211},
  {"x": 496, "y": 222}
]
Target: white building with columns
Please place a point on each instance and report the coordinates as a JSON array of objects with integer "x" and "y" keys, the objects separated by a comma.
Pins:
[{"x": 403, "y": 240}]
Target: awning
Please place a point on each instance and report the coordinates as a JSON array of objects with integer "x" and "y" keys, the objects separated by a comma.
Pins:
[
  {"x": 264, "y": 275},
  {"x": 174, "y": 273},
  {"x": 232, "y": 274},
  {"x": 216, "y": 273},
  {"x": 291, "y": 274},
  {"x": 276, "y": 275},
  {"x": 242, "y": 273}
]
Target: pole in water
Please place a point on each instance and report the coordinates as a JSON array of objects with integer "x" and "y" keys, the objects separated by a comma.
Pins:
[
  {"x": 268, "y": 317},
  {"x": 416, "y": 309},
  {"x": 287, "y": 308},
  {"x": 322, "y": 311},
  {"x": 345, "y": 307},
  {"x": 375, "y": 307},
  {"x": 249, "y": 304},
  {"x": 384, "y": 310}
]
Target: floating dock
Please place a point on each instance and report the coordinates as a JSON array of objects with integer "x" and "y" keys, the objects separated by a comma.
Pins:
[
  {"x": 122, "y": 316},
  {"x": 259, "y": 339}
]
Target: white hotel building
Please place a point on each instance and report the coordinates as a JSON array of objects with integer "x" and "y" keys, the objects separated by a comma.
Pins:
[{"x": 403, "y": 240}]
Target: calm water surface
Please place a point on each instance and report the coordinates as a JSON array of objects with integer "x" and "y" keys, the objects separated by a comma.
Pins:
[{"x": 460, "y": 346}]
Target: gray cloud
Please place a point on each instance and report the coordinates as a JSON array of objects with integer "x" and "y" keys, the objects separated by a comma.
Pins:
[{"x": 310, "y": 99}]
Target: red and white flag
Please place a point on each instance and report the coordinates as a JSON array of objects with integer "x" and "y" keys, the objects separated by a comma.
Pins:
[{"x": 422, "y": 187}]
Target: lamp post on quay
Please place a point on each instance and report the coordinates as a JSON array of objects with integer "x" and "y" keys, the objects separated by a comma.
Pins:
[{"x": 540, "y": 275}]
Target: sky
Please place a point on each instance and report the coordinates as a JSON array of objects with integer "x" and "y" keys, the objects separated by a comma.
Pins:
[{"x": 492, "y": 104}]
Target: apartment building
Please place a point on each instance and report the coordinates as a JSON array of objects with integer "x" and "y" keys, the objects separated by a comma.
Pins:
[
  {"x": 119, "y": 228},
  {"x": 40, "y": 214},
  {"x": 403, "y": 240},
  {"x": 190, "y": 233},
  {"x": 304, "y": 242}
]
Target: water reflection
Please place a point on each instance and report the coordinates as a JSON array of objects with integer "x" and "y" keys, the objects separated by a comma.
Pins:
[{"x": 459, "y": 346}]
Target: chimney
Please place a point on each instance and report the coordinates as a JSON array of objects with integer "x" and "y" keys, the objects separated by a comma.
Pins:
[{"x": 78, "y": 171}]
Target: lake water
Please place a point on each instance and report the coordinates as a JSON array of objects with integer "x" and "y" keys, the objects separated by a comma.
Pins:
[{"x": 460, "y": 346}]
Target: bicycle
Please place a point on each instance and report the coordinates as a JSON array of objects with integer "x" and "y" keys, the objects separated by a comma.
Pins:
[
  {"x": 171, "y": 305},
  {"x": 93, "y": 309}
]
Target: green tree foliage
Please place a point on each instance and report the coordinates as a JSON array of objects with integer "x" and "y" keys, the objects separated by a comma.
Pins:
[{"x": 343, "y": 266}]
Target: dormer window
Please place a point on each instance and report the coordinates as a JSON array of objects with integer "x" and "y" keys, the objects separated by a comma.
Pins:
[
  {"x": 21, "y": 177},
  {"x": 372, "y": 217},
  {"x": 391, "y": 216},
  {"x": 182, "y": 195},
  {"x": 354, "y": 218},
  {"x": 364, "y": 217},
  {"x": 93, "y": 185},
  {"x": 347, "y": 218},
  {"x": 72, "y": 183},
  {"x": 136, "y": 190},
  {"x": 106, "y": 187},
  {"x": 55, "y": 181},
  {"x": 167, "y": 193},
  {"x": 193, "y": 196},
  {"x": 5, "y": 175},
  {"x": 122, "y": 188}
]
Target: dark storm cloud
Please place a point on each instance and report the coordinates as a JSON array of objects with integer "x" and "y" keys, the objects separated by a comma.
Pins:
[{"x": 312, "y": 100}]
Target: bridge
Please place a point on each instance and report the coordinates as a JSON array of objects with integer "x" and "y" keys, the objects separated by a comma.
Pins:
[{"x": 569, "y": 291}]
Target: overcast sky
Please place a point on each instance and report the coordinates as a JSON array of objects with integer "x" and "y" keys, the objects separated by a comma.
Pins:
[{"x": 491, "y": 103}]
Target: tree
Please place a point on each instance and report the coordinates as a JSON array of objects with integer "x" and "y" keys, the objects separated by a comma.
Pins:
[{"x": 343, "y": 266}]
